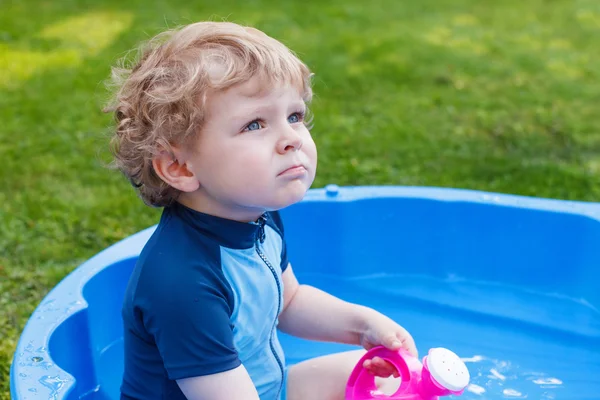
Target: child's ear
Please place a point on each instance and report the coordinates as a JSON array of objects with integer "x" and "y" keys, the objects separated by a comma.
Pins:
[{"x": 171, "y": 167}]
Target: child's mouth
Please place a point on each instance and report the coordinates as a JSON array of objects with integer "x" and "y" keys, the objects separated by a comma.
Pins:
[{"x": 293, "y": 171}]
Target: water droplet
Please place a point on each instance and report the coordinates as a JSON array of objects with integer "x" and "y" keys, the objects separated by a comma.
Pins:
[
  {"x": 37, "y": 359},
  {"x": 34, "y": 390},
  {"x": 54, "y": 383},
  {"x": 486, "y": 197},
  {"x": 46, "y": 365},
  {"x": 22, "y": 375}
]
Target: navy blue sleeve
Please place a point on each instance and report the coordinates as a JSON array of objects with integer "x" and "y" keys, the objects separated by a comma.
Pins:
[
  {"x": 278, "y": 226},
  {"x": 189, "y": 320}
]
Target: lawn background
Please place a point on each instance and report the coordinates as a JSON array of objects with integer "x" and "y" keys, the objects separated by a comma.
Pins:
[{"x": 496, "y": 96}]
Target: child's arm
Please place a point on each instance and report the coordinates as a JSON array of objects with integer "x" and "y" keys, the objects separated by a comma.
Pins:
[
  {"x": 313, "y": 314},
  {"x": 232, "y": 384}
]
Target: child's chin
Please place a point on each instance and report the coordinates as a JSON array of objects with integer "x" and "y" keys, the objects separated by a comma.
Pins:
[{"x": 291, "y": 197}]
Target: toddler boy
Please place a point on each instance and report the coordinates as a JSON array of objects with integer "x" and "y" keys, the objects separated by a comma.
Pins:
[{"x": 211, "y": 126}]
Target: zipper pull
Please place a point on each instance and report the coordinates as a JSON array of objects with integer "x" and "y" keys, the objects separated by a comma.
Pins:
[{"x": 262, "y": 220}]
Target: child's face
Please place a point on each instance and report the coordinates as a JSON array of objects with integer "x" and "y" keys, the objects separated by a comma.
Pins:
[{"x": 254, "y": 152}]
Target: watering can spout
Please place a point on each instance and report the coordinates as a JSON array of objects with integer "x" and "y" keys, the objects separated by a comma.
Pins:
[{"x": 443, "y": 374}]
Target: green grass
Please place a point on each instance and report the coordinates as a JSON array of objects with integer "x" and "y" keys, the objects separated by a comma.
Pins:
[{"x": 497, "y": 96}]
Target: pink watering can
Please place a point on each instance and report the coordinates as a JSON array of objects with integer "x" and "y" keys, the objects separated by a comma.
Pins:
[{"x": 442, "y": 373}]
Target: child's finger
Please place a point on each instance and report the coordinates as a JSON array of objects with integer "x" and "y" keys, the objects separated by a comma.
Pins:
[
  {"x": 407, "y": 342},
  {"x": 392, "y": 342},
  {"x": 382, "y": 372},
  {"x": 385, "y": 368},
  {"x": 370, "y": 367},
  {"x": 380, "y": 362},
  {"x": 382, "y": 368}
]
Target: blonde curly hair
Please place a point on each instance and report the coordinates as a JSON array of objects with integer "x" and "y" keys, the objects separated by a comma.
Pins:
[{"x": 160, "y": 98}]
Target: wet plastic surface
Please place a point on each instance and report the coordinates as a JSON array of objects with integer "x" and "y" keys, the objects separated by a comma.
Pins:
[{"x": 511, "y": 284}]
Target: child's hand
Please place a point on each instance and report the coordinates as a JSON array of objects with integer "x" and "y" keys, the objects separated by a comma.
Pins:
[{"x": 382, "y": 331}]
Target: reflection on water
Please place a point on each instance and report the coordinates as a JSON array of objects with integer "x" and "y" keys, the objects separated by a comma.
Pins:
[
  {"x": 496, "y": 375},
  {"x": 548, "y": 381},
  {"x": 493, "y": 379},
  {"x": 473, "y": 388},
  {"x": 512, "y": 393}
]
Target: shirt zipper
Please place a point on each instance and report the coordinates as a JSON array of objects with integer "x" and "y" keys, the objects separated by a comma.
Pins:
[{"x": 260, "y": 239}]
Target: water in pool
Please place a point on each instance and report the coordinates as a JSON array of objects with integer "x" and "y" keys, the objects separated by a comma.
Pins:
[{"x": 507, "y": 357}]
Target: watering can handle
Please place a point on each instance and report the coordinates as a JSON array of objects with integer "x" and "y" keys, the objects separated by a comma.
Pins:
[{"x": 361, "y": 384}]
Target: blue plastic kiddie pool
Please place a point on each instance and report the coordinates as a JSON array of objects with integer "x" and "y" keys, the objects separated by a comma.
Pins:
[{"x": 511, "y": 284}]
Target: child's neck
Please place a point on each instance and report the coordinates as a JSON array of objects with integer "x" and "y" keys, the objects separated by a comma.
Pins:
[{"x": 212, "y": 207}]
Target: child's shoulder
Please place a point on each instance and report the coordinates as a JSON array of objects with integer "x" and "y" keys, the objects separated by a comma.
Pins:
[
  {"x": 173, "y": 257},
  {"x": 175, "y": 241}
]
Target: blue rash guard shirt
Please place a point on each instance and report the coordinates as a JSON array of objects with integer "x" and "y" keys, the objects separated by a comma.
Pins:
[{"x": 203, "y": 298}]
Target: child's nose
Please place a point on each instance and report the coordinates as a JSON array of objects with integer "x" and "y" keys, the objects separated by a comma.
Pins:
[{"x": 290, "y": 141}]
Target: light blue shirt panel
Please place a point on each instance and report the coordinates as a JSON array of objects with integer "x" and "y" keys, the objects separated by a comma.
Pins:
[{"x": 255, "y": 309}]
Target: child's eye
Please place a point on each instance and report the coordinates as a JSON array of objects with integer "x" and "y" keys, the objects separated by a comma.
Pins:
[
  {"x": 295, "y": 117},
  {"x": 253, "y": 126}
]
